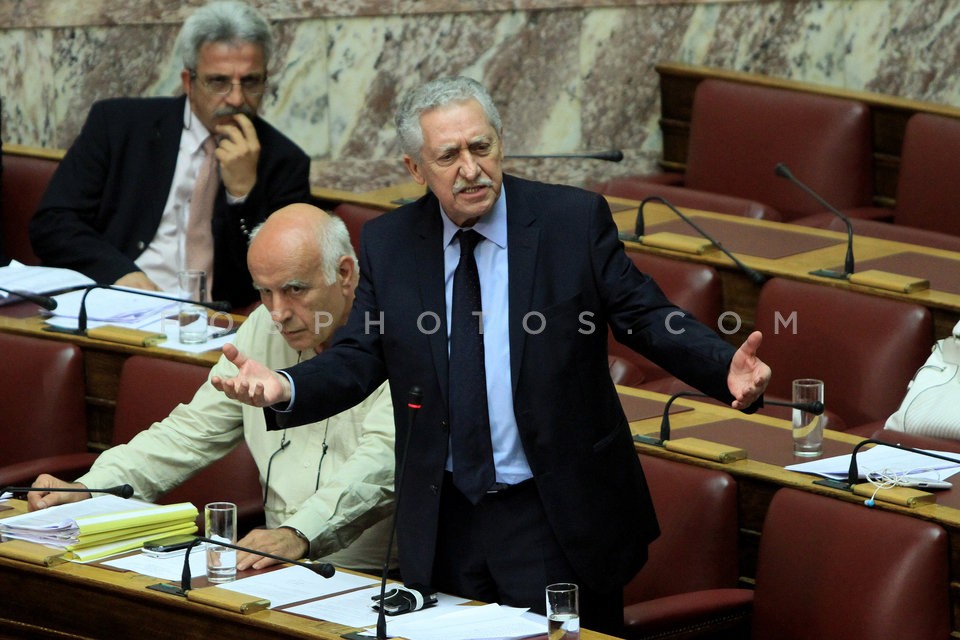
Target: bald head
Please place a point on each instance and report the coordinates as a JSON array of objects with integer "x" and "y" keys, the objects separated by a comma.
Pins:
[{"x": 304, "y": 267}]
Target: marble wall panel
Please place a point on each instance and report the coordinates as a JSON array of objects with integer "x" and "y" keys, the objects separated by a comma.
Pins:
[{"x": 568, "y": 75}]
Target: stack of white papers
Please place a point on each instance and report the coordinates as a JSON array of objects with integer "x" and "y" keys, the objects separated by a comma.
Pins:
[
  {"x": 20, "y": 277},
  {"x": 100, "y": 526},
  {"x": 883, "y": 460},
  {"x": 126, "y": 308}
]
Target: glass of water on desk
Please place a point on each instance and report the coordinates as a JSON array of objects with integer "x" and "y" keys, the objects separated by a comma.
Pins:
[
  {"x": 192, "y": 318},
  {"x": 563, "y": 611},
  {"x": 220, "y": 523},
  {"x": 807, "y": 427}
]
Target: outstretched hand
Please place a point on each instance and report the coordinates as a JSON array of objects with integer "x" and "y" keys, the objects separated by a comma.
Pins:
[
  {"x": 749, "y": 375},
  {"x": 255, "y": 384}
]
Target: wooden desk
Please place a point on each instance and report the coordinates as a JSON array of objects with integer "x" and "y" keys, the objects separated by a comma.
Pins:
[
  {"x": 769, "y": 445},
  {"x": 740, "y": 293},
  {"x": 89, "y": 601},
  {"x": 102, "y": 362}
]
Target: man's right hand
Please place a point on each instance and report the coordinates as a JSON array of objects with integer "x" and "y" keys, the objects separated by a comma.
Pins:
[
  {"x": 43, "y": 499},
  {"x": 254, "y": 384},
  {"x": 137, "y": 280}
]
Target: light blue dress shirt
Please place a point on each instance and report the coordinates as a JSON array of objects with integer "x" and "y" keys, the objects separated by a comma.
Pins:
[{"x": 491, "y": 256}]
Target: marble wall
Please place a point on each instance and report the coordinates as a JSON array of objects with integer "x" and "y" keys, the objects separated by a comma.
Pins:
[{"x": 568, "y": 75}]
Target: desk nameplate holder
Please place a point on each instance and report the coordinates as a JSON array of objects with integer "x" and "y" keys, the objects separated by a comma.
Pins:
[
  {"x": 32, "y": 553},
  {"x": 902, "y": 496},
  {"x": 697, "y": 448},
  {"x": 215, "y": 597}
]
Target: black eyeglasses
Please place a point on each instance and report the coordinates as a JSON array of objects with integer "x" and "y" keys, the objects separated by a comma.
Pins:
[{"x": 252, "y": 86}]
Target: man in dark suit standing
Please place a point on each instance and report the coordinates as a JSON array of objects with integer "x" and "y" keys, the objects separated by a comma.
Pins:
[
  {"x": 551, "y": 490},
  {"x": 122, "y": 206}
]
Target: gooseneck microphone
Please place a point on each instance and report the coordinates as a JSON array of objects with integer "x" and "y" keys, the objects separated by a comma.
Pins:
[
  {"x": 414, "y": 402},
  {"x": 123, "y": 490},
  {"x": 816, "y": 407},
  {"x": 46, "y": 302},
  {"x": 755, "y": 276},
  {"x": 782, "y": 171},
  {"x": 611, "y": 155},
  {"x": 324, "y": 569},
  {"x": 217, "y": 305},
  {"x": 853, "y": 473}
]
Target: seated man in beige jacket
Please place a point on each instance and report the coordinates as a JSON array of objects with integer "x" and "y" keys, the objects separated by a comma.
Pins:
[{"x": 330, "y": 485}]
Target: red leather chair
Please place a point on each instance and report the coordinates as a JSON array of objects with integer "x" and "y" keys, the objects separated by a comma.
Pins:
[
  {"x": 42, "y": 409},
  {"x": 354, "y": 216},
  {"x": 693, "y": 287},
  {"x": 865, "y": 348},
  {"x": 150, "y": 388},
  {"x": 23, "y": 182},
  {"x": 738, "y": 134},
  {"x": 695, "y": 555},
  {"x": 928, "y": 189},
  {"x": 830, "y": 569}
]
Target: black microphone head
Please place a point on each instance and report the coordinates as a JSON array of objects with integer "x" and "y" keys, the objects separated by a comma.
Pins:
[
  {"x": 816, "y": 408},
  {"x": 615, "y": 155},
  {"x": 220, "y": 305},
  {"x": 324, "y": 569},
  {"x": 782, "y": 171},
  {"x": 46, "y": 302},
  {"x": 125, "y": 491},
  {"x": 414, "y": 396}
]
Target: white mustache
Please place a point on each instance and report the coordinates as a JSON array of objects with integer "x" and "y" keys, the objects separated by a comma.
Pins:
[{"x": 479, "y": 182}]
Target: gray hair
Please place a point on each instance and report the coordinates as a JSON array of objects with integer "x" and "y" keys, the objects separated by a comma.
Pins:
[
  {"x": 333, "y": 241},
  {"x": 225, "y": 21},
  {"x": 439, "y": 93}
]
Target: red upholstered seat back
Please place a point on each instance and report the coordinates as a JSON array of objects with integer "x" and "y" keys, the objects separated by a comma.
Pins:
[
  {"x": 928, "y": 187},
  {"x": 22, "y": 185},
  {"x": 42, "y": 407},
  {"x": 834, "y": 569},
  {"x": 739, "y": 132},
  {"x": 697, "y": 548},
  {"x": 865, "y": 348},
  {"x": 354, "y": 216},
  {"x": 150, "y": 388},
  {"x": 693, "y": 287}
]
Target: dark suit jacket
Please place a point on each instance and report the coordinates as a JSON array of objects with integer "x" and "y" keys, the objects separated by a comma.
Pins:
[
  {"x": 104, "y": 203},
  {"x": 566, "y": 264}
]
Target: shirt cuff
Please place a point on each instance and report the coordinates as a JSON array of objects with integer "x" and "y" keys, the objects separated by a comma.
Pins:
[{"x": 293, "y": 394}]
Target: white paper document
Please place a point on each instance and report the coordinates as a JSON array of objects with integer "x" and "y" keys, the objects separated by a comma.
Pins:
[
  {"x": 355, "y": 609},
  {"x": 886, "y": 461},
  {"x": 111, "y": 305},
  {"x": 20, "y": 277},
  {"x": 168, "y": 569},
  {"x": 293, "y": 583}
]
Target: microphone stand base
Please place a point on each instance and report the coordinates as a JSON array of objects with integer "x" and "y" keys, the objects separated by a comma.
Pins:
[
  {"x": 168, "y": 588},
  {"x": 626, "y": 236},
  {"x": 72, "y": 332},
  {"x": 829, "y": 273},
  {"x": 642, "y": 439},
  {"x": 841, "y": 485}
]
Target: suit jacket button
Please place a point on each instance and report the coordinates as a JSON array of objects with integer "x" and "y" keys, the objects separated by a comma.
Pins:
[
  {"x": 444, "y": 426},
  {"x": 434, "y": 489},
  {"x": 141, "y": 245}
]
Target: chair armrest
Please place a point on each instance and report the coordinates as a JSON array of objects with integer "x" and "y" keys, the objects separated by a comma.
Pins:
[
  {"x": 68, "y": 466},
  {"x": 705, "y": 612}
]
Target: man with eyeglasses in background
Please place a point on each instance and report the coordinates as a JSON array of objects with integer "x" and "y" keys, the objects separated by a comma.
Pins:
[{"x": 121, "y": 207}]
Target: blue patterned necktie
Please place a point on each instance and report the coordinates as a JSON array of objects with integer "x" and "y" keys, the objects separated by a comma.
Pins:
[{"x": 473, "y": 470}]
